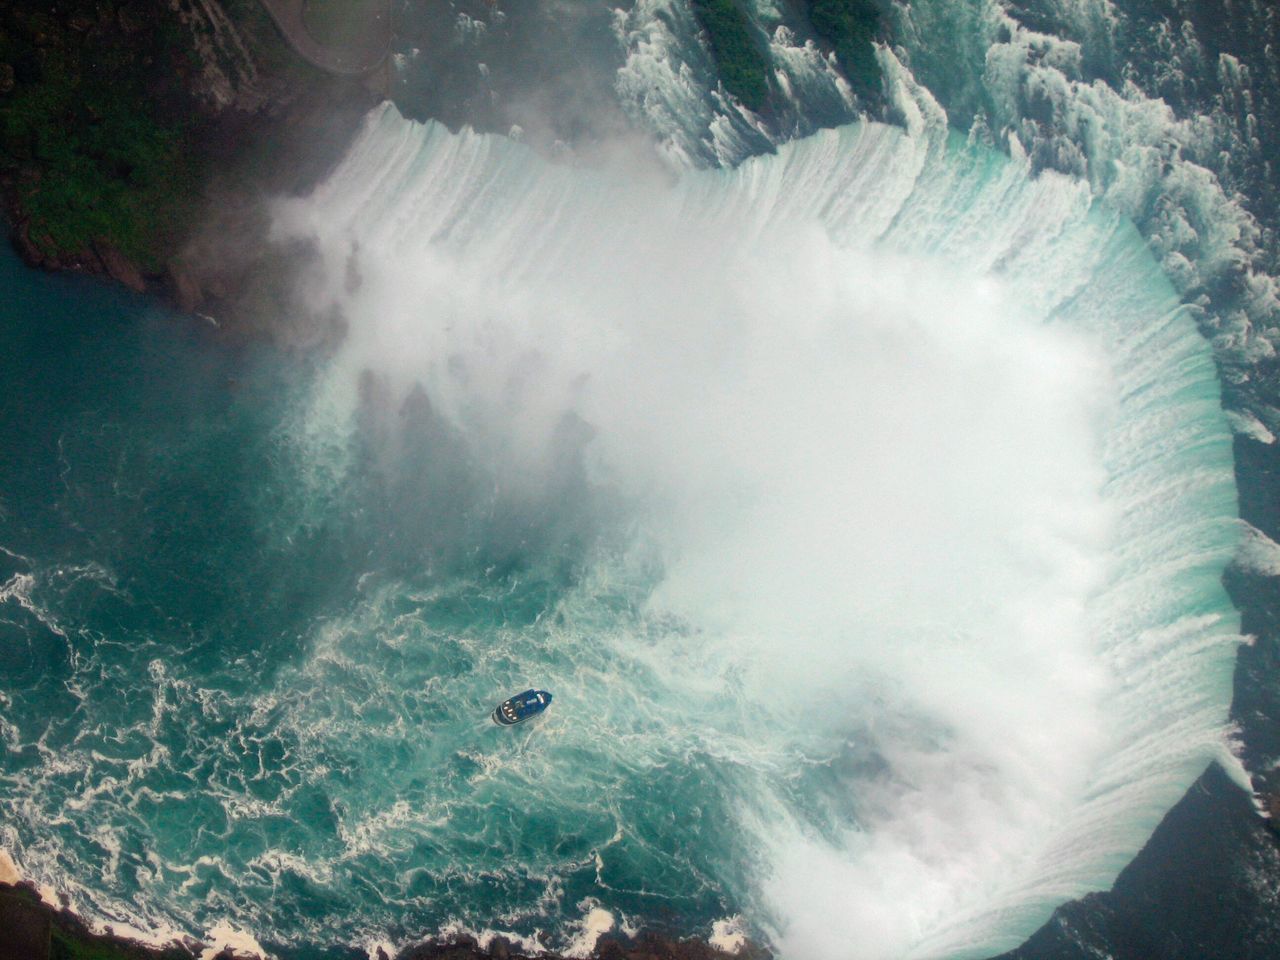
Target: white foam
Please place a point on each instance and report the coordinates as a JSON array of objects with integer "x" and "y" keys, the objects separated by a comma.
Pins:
[
  {"x": 18, "y": 588},
  {"x": 1258, "y": 553},
  {"x": 1248, "y": 425},
  {"x": 1129, "y": 144},
  {"x": 594, "y": 924},
  {"x": 529, "y": 945},
  {"x": 931, "y": 461},
  {"x": 9, "y": 872},
  {"x": 729, "y": 934},
  {"x": 225, "y": 935}
]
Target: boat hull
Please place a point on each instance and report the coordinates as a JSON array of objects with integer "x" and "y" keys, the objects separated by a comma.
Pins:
[{"x": 521, "y": 707}]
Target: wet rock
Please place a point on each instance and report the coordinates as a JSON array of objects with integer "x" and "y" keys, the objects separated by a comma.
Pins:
[
  {"x": 27, "y": 249},
  {"x": 119, "y": 267},
  {"x": 1272, "y": 801},
  {"x": 186, "y": 287},
  {"x": 8, "y": 869},
  {"x": 26, "y": 929}
]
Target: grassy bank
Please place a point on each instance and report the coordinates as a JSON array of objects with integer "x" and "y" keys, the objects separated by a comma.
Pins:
[
  {"x": 847, "y": 27},
  {"x": 97, "y": 129},
  {"x": 139, "y": 141},
  {"x": 850, "y": 26},
  {"x": 740, "y": 57}
]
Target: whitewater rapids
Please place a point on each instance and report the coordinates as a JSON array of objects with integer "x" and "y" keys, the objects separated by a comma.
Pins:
[{"x": 904, "y": 488}]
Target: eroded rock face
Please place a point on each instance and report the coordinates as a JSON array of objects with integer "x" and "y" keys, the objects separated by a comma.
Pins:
[
  {"x": 8, "y": 869},
  {"x": 119, "y": 267},
  {"x": 233, "y": 117},
  {"x": 1273, "y": 810},
  {"x": 26, "y": 929},
  {"x": 228, "y": 76}
]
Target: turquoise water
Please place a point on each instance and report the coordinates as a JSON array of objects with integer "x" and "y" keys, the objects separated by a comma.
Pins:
[
  {"x": 864, "y": 509},
  {"x": 224, "y": 694},
  {"x": 237, "y": 692}
]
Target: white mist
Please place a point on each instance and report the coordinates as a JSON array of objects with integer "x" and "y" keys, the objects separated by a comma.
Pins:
[{"x": 932, "y": 462}]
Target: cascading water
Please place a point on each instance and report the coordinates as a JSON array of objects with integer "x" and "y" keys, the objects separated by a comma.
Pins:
[
  {"x": 863, "y": 506},
  {"x": 1104, "y": 91},
  {"x": 895, "y": 469}
]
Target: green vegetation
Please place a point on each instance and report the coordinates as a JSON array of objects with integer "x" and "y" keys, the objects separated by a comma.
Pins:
[
  {"x": 94, "y": 134},
  {"x": 35, "y": 931},
  {"x": 77, "y": 944},
  {"x": 64, "y": 947},
  {"x": 850, "y": 26},
  {"x": 743, "y": 64}
]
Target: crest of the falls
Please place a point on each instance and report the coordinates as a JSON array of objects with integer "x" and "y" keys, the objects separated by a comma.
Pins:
[{"x": 897, "y": 495}]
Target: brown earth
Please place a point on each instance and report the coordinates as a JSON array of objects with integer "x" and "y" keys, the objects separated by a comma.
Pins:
[{"x": 32, "y": 930}]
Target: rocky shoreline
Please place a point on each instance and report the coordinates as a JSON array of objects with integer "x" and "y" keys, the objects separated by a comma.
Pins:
[
  {"x": 242, "y": 101},
  {"x": 35, "y": 930},
  {"x": 164, "y": 188},
  {"x": 269, "y": 123},
  {"x": 264, "y": 112}
]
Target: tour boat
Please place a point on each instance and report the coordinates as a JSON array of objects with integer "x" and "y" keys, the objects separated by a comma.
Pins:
[{"x": 521, "y": 707}]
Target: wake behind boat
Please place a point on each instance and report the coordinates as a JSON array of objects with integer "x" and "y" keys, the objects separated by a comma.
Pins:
[{"x": 521, "y": 707}]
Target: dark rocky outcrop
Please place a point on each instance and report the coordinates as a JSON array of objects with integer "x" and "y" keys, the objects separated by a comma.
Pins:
[
  {"x": 643, "y": 946},
  {"x": 32, "y": 930},
  {"x": 1205, "y": 885},
  {"x": 139, "y": 140},
  {"x": 25, "y": 928}
]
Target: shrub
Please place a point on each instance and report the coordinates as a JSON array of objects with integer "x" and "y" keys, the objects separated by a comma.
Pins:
[
  {"x": 850, "y": 27},
  {"x": 743, "y": 65}
]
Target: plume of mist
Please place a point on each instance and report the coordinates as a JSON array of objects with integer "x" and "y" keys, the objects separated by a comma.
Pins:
[{"x": 880, "y": 478}]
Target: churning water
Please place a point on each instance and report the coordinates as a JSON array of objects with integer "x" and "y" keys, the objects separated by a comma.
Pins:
[{"x": 863, "y": 506}]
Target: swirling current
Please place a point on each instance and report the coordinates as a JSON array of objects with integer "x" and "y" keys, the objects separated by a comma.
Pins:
[{"x": 864, "y": 503}]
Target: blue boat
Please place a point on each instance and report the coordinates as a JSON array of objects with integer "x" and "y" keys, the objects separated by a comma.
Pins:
[{"x": 521, "y": 707}]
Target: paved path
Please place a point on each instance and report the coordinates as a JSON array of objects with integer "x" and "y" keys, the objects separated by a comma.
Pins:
[{"x": 354, "y": 59}]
